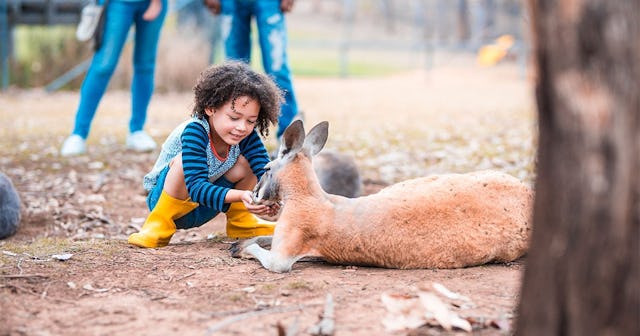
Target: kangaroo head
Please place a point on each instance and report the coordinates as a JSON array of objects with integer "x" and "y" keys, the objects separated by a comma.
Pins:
[{"x": 294, "y": 142}]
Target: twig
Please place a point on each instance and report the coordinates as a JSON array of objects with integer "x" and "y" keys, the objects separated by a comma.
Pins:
[
  {"x": 186, "y": 276},
  {"x": 326, "y": 325},
  {"x": 74, "y": 302},
  {"x": 293, "y": 328},
  {"x": 97, "y": 185},
  {"x": 20, "y": 276},
  {"x": 275, "y": 310},
  {"x": 44, "y": 292}
]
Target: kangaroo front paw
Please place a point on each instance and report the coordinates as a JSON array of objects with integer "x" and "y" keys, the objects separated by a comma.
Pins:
[{"x": 235, "y": 249}]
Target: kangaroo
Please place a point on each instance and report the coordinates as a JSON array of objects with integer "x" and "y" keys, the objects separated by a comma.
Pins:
[
  {"x": 337, "y": 173},
  {"x": 439, "y": 221}
]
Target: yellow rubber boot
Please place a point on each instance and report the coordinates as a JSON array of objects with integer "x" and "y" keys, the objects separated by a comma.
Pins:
[
  {"x": 243, "y": 224},
  {"x": 159, "y": 227}
]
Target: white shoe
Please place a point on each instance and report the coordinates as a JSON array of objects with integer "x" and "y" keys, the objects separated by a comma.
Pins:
[
  {"x": 89, "y": 20},
  {"x": 73, "y": 145},
  {"x": 140, "y": 141}
]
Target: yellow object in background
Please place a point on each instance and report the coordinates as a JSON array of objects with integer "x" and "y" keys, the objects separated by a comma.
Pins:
[{"x": 491, "y": 54}]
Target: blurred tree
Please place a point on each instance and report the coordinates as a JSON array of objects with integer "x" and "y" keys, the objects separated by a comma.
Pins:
[{"x": 582, "y": 273}]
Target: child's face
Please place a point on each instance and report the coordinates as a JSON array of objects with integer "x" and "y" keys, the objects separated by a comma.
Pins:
[{"x": 234, "y": 123}]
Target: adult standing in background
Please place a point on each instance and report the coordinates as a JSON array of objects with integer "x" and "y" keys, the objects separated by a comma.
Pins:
[
  {"x": 193, "y": 18},
  {"x": 272, "y": 35},
  {"x": 120, "y": 16}
]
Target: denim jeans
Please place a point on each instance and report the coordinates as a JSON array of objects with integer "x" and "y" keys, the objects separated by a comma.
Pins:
[
  {"x": 198, "y": 216},
  {"x": 120, "y": 15},
  {"x": 272, "y": 35}
]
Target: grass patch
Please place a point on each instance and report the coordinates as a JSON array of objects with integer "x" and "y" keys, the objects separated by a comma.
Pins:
[
  {"x": 299, "y": 284},
  {"x": 43, "y": 248},
  {"x": 268, "y": 288},
  {"x": 311, "y": 62}
]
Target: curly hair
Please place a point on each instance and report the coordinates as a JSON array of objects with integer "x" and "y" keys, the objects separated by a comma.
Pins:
[{"x": 225, "y": 82}]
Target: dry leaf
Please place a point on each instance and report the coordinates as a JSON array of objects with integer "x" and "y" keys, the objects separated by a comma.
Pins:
[
  {"x": 403, "y": 312},
  {"x": 435, "y": 309},
  {"x": 62, "y": 257},
  {"x": 89, "y": 287},
  {"x": 449, "y": 294}
]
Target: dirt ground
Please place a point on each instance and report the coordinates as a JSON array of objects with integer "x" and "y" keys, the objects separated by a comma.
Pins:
[{"x": 69, "y": 270}]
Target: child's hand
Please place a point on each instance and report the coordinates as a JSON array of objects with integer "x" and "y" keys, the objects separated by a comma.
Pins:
[{"x": 258, "y": 210}]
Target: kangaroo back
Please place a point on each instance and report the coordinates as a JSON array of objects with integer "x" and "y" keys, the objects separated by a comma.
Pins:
[{"x": 440, "y": 221}]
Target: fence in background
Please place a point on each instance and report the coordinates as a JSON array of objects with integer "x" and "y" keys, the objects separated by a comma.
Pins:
[
  {"x": 32, "y": 12},
  {"x": 421, "y": 27}
]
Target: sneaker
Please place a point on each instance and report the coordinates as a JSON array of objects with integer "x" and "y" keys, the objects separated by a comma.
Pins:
[
  {"x": 73, "y": 145},
  {"x": 88, "y": 22},
  {"x": 140, "y": 141}
]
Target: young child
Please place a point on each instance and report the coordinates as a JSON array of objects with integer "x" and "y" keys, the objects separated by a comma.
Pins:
[{"x": 211, "y": 162}]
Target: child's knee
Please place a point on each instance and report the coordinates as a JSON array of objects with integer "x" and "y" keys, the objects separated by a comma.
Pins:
[{"x": 241, "y": 170}]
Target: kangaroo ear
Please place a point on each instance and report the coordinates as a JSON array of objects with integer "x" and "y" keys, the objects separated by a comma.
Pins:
[
  {"x": 292, "y": 139},
  {"x": 316, "y": 138}
]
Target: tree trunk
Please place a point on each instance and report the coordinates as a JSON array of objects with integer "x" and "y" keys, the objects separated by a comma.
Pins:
[{"x": 582, "y": 273}]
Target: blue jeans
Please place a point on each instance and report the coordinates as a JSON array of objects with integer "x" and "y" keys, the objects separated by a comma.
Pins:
[
  {"x": 272, "y": 35},
  {"x": 198, "y": 216},
  {"x": 120, "y": 15}
]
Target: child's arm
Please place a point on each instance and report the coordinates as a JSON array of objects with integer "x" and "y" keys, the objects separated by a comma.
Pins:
[
  {"x": 196, "y": 170},
  {"x": 253, "y": 149}
]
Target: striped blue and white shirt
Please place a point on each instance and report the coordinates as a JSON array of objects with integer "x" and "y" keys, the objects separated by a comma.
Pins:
[{"x": 200, "y": 164}]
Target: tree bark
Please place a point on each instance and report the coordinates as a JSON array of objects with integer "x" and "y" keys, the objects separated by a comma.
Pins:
[{"x": 582, "y": 272}]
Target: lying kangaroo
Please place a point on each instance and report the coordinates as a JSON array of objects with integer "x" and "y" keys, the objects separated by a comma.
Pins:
[{"x": 440, "y": 221}]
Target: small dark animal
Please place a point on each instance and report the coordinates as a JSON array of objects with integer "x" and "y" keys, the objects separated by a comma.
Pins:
[
  {"x": 338, "y": 173},
  {"x": 9, "y": 207}
]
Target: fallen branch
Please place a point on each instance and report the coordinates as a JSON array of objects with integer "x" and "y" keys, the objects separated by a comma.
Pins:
[
  {"x": 21, "y": 276},
  {"x": 185, "y": 276},
  {"x": 275, "y": 310},
  {"x": 326, "y": 325}
]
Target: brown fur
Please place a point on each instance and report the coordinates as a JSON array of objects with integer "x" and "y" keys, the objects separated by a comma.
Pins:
[
  {"x": 442, "y": 221},
  {"x": 439, "y": 221}
]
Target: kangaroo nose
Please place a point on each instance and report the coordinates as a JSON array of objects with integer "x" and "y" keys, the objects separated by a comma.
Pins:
[
  {"x": 255, "y": 195},
  {"x": 255, "y": 198}
]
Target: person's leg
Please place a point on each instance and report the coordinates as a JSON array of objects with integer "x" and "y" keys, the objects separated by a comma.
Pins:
[
  {"x": 210, "y": 27},
  {"x": 236, "y": 29},
  {"x": 147, "y": 35},
  {"x": 272, "y": 32},
  {"x": 116, "y": 27},
  {"x": 168, "y": 202}
]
